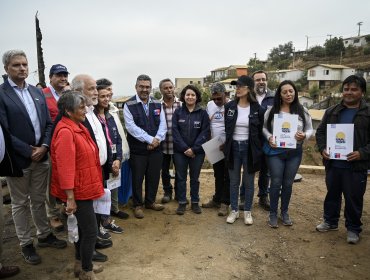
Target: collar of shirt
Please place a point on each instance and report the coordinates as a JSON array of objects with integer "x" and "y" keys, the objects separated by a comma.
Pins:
[
  {"x": 17, "y": 87},
  {"x": 54, "y": 93},
  {"x": 138, "y": 100}
]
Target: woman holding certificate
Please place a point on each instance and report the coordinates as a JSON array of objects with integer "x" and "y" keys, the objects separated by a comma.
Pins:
[
  {"x": 243, "y": 127},
  {"x": 287, "y": 124}
]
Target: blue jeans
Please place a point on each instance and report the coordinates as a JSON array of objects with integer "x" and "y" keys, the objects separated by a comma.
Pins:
[
  {"x": 182, "y": 163},
  {"x": 240, "y": 153},
  {"x": 283, "y": 168}
]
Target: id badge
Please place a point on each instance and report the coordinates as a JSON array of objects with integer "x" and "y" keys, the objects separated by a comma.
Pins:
[
  {"x": 114, "y": 148},
  {"x": 197, "y": 124}
]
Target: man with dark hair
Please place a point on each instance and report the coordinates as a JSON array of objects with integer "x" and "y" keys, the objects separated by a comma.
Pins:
[
  {"x": 58, "y": 76},
  {"x": 146, "y": 127},
  {"x": 169, "y": 103},
  {"x": 216, "y": 112},
  {"x": 347, "y": 177},
  {"x": 25, "y": 116}
]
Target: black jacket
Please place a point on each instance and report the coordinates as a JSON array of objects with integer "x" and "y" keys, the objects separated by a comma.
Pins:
[
  {"x": 255, "y": 139},
  {"x": 9, "y": 166},
  {"x": 361, "y": 141},
  {"x": 190, "y": 129}
]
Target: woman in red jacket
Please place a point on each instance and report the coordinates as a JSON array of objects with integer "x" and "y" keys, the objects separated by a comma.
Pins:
[{"x": 77, "y": 176}]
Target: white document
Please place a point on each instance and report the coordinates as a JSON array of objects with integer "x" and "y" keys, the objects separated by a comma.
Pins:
[
  {"x": 102, "y": 204},
  {"x": 114, "y": 182},
  {"x": 339, "y": 142},
  {"x": 285, "y": 128},
  {"x": 212, "y": 150}
]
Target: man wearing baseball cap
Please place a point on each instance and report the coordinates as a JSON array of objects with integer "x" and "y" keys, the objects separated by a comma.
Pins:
[{"x": 58, "y": 76}]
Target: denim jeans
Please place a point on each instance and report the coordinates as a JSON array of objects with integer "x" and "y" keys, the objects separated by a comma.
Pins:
[
  {"x": 182, "y": 163},
  {"x": 283, "y": 168},
  {"x": 240, "y": 153},
  {"x": 166, "y": 177}
]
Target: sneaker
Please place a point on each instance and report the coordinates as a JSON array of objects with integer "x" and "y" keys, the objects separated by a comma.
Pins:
[
  {"x": 211, "y": 204},
  {"x": 248, "y": 220},
  {"x": 112, "y": 227},
  {"x": 286, "y": 219},
  {"x": 30, "y": 256},
  {"x": 324, "y": 227},
  {"x": 103, "y": 243},
  {"x": 120, "y": 214},
  {"x": 56, "y": 224},
  {"x": 232, "y": 217},
  {"x": 166, "y": 198},
  {"x": 181, "y": 209},
  {"x": 195, "y": 208},
  {"x": 352, "y": 237},
  {"x": 103, "y": 234},
  {"x": 264, "y": 203},
  {"x": 138, "y": 212},
  {"x": 224, "y": 210},
  {"x": 155, "y": 206},
  {"x": 273, "y": 221},
  {"x": 51, "y": 241}
]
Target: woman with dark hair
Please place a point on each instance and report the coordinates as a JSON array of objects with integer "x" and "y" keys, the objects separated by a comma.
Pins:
[
  {"x": 190, "y": 129},
  {"x": 243, "y": 127},
  {"x": 77, "y": 176},
  {"x": 284, "y": 163}
]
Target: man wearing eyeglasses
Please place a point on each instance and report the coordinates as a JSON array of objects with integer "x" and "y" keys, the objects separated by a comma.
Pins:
[
  {"x": 146, "y": 126},
  {"x": 265, "y": 98},
  {"x": 216, "y": 111}
]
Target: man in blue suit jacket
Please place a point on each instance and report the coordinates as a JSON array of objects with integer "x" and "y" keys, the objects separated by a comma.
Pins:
[{"x": 25, "y": 116}]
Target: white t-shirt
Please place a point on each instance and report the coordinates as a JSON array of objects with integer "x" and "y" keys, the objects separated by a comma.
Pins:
[
  {"x": 241, "y": 131},
  {"x": 216, "y": 115},
  {"x": 260, "y": 97}
]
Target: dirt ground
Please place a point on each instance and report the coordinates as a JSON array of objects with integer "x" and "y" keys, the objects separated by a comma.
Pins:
[{"x": 164, "y": 245}]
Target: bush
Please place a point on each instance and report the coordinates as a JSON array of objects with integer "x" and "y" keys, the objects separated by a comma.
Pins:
[{"x": 367, "y": 50}]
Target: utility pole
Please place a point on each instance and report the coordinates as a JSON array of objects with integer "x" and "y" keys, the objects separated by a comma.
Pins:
[
  {"x": 329, "y": 36},
  {"x": 255, "y": 59},
  {"x": 359, "y": 27},
  {"x": 293, "y": 56},
  {"x": 40, "y": 56}
]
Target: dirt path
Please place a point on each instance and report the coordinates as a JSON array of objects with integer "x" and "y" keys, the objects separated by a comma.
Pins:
[{"x": 168, "y": 246}]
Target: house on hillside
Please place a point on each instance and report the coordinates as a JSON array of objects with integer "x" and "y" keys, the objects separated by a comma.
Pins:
[
  {"x": 305, "y": 99},
  {"x": 357, "y": 41},
  {"x": 288, "y": 74},
  {"x": 327, "y": 75},
  {"x": 232, "y": 71},
  {"x": 180, "y": 83}
]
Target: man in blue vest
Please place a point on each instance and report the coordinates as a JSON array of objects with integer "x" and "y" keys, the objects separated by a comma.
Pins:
[{"x": 146, "y": 126}]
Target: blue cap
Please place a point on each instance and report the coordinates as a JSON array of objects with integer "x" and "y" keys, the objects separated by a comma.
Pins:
[{"x": 58, "y": 68}]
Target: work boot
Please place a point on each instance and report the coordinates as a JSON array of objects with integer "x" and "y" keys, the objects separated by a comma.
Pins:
[
  {"x": 195, "y": 208},
  {"x": 211, "y": 204},
  {"x": 87, "y": 275},
  {"x": 181, "y": 209},
  {"x": 78, "y": 268},
  {"x": 138, "y": 212},
  {"x": 224, "y": 210},
  {"x": 166, "y": 198}
]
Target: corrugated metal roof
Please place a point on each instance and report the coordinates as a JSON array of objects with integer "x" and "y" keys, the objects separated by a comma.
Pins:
[{"x": 332, "y": 66}]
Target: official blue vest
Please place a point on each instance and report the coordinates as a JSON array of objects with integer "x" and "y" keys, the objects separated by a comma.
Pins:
[{"x": 149, "y": 123}]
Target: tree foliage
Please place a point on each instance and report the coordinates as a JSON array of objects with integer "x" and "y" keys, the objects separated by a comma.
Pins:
[
  {"x": 281, "y": 56},
  {"x": 254, "y": 64},
  {"x": 317, "y": 51},
  {"x": 334, "y": 46}
]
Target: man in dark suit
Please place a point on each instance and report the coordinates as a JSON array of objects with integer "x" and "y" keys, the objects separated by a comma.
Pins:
[{"x": 24, "y": 114}]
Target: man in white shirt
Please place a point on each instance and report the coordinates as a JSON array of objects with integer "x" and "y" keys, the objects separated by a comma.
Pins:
[{"x": 216, "y": 111}]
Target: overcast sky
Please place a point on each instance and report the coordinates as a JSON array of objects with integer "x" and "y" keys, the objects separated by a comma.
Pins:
[{"x": 119, "y": 40}]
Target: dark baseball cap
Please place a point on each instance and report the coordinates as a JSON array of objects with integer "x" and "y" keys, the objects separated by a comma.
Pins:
[
  {"x": 243, "y": 81},
  {"x": 58, "y": 68}
]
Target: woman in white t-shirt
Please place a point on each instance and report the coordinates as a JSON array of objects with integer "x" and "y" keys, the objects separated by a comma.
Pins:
[{"x": 243, "y": 127}]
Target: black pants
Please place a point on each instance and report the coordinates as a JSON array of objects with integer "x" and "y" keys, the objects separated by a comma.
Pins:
[
  {"x": 87, "y": 231},
  {"x": 222, "y": 183},
  {"x": 166, "y": 177},
  {"x": 148, "y": 167},
  {"x": 352, "y": 185}
]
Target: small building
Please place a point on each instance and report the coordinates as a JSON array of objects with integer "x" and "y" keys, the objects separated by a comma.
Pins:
[
  {"x": 180, "y": 83},
  {"x": 357, "y": 41},
  {"x": 232, "y": 71},
  {"x": 288, "y": 74},
  {"x": 119, "y": 101},
  {"x": 305, "y": 99},
  {"x": 327, "y": 75}
]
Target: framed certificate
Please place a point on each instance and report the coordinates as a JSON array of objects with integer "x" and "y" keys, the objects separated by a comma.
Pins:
[
  {"x": 339, "y": 140},
  {"x": 285, "y": 128}
]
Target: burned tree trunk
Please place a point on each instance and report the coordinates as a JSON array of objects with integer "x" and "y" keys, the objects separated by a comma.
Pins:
[{"x": 40, "y": 56}]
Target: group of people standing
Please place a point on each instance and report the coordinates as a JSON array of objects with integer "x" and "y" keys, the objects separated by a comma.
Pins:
[{"x": 81, "y": 132}]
